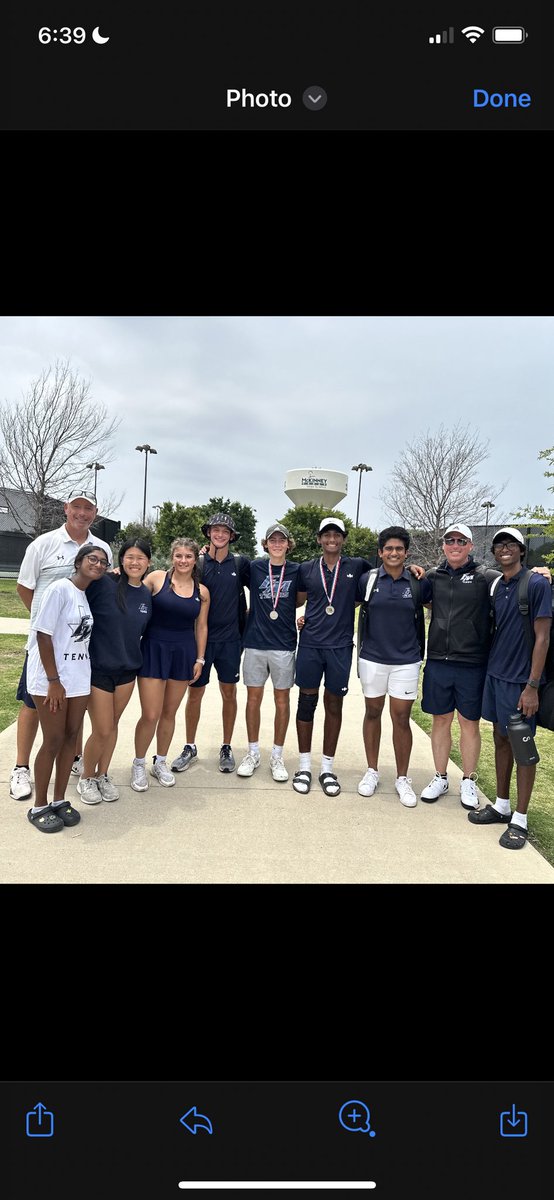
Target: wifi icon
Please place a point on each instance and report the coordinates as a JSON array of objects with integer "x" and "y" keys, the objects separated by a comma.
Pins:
[{"x": 472, "y": 32}]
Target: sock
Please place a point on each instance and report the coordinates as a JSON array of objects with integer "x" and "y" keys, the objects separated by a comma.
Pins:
[
  {"x": 327, "y": 763},
  {"x": 445, "y": 776},
  {"x": 161, "y": 758},
  {"x": 56, "y": 803},
  {"x": 41, "y": 808},
  {"x": 519, "y": 819},
  {"x": 502, "y": 806},
  {"x": 139, "y": 761},
  {"x": 25, "y": 766},
  {"x": 254, "y": 748},
  {"x": 277, "y": 752},
  {"x": 192, "y": 745},
  {"x": 305, "y": 762}
]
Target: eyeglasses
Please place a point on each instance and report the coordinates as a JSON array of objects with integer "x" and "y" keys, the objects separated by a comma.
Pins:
[
  {"x": 98, "y": 562},
  {"x": 82, "y": 496},
  {"x": 456, "y": 542},
  {"x": 501, "y": 545},
  {"x": 135, "y": 562}
]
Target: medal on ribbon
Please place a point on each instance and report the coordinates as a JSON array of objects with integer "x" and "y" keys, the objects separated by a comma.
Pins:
[{"x": 330, "y": 608}]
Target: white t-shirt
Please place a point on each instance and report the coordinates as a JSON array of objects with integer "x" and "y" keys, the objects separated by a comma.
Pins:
[
  {"x": 49, "y": 557},
  {"x": 64, "y": 613}
]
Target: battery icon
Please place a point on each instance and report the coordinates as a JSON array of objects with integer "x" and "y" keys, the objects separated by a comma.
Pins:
[{"x": 509, "y": 35}]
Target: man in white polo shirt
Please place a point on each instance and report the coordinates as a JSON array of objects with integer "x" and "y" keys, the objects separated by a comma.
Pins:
[{"x": 50, "y": 556}]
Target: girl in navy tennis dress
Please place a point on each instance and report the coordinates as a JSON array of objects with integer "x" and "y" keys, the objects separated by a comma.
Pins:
[{"x": 172, "y": 657}]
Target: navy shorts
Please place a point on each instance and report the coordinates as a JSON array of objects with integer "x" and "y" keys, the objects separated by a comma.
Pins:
[
  {"x": 312, "y": 663},
  {"x": 453, "y": 685},
  {"x": 225, "y": 657},
  {"x": 500, "y": 699},
  {"x": 109, "y": 682},
  {"x": 22, "y": 693}
]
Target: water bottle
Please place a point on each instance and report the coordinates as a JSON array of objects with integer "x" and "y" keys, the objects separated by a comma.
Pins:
[{"x": 522, "y": 741}]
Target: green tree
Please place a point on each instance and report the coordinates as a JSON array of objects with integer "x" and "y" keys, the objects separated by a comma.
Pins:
[
  {"x": 539, "y": 513},
  {"x": 303, "y": 523},
  {"x": 176, "y": 520}
]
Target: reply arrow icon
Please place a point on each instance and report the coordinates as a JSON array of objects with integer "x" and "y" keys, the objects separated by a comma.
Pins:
[{"x": 193, "y": 1121}]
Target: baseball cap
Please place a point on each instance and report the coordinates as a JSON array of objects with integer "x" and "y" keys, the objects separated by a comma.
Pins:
[
  {"x": 276, "y": 528},
  {"x": 332, "y": 523},
  {"x": 221, "y": 519},
  {"x": 81, "y": 494},
  {"x": 459, "y": 529},
  {"x": 511, "y": 532}
]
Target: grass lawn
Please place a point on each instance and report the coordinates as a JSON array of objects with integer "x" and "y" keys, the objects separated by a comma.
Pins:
[
  {"x": 10, "y": 603},
  {"x": 12, "y": 653},
  {"x": 541, "y": 805}
]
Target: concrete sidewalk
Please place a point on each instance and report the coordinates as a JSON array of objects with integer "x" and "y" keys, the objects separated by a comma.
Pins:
[{"x": 214, "y": 828}]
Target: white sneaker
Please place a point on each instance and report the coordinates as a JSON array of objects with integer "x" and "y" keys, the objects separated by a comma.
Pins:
[
  {"x": 108, "y": 790},
  {"x": 20, "y": 783},
  {"x": 139, "y": 781},
  {"x": 89, "y": 791},
  {"x": 468, "y": 792},
  {"x": 437, "y": 787},
  {"x": 367, "y": 785},
  {"x": 406, "y": 792},
  {"x": 77, "y": 767},
  {"x": 278, "y": 770},
  {"x": 161, "y": 772},
  {"x": 249, "y": 764}
]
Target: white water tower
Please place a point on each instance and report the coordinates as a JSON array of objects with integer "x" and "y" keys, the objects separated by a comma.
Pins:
[{"x": 316, "y": 485}]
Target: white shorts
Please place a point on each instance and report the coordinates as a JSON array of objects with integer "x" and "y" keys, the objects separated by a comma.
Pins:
[
  {"x": 258, "y": 665},
  {"x": 384, "y": 679}
]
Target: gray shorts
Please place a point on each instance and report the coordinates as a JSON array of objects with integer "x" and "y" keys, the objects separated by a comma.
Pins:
[{"x": 258, "y": 665}]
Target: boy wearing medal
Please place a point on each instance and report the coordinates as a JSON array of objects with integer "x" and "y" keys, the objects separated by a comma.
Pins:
[
  {"x": 270, "y": 645},
  {"x": 325, "y": 649}
]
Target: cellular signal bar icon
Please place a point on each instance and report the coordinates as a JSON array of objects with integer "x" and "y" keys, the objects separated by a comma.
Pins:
[{"x": 442, "y": 38}]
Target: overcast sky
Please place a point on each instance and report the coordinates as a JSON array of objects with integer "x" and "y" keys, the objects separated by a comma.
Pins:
[{"x": 232, "y": 403}]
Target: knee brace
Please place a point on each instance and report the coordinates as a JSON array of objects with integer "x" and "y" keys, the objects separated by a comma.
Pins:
[{"x": 307, "y": 704}]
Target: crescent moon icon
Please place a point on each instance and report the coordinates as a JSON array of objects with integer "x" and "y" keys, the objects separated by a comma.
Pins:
[{"x": 97, "y": 36}]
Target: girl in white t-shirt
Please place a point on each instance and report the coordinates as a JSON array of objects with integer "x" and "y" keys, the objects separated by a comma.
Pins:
[{"x": 58, "y": 678}]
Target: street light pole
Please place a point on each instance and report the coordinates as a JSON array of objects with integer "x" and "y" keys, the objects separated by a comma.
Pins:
[
  {"x": 488, "y": 504},
  {"x": 147, "y": 450},
  {"x": 96, "y": 467},
  {"x": 360, "y": 467}
]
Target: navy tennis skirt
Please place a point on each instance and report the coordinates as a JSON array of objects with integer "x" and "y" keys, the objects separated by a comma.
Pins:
[{"x": 168, "y": 660}]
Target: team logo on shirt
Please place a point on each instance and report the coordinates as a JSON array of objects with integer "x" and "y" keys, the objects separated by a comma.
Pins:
[
  {"x": 349, "y": 576},
  {"x": 406, "y": 594},
  {"x": 82, "y": 629},
  {"x": 143, "y": 609},
  {"x": 265, "y": 589},
  {"x": 467, "y": 579}
]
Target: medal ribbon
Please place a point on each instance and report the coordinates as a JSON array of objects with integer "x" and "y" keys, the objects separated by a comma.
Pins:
[
  {"x": 275, "y": 600},
  {"x": 335, "y": 577}
]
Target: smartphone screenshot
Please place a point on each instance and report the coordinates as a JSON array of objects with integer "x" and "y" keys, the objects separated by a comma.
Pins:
[
  {"x": 394, "y": 1139},
  {"x": 278, "y": 65}
]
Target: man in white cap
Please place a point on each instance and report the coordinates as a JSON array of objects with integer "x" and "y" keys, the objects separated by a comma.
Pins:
[
  {"x": 514, "y": 675},
  {"x": 49, "y": 557},
  {"x": 270, "y": 645}
]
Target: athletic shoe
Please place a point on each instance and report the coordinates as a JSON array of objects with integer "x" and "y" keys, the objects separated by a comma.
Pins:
[
  {"x": 278, "y": 770},
  {"x": 406, "y": 792},
  {"x": 161, "y": 772},
  {"x": 139, "y": 781},
  {"x": 437, "y": 787},
  {"x": 247, "y": 766},
  {"x": 89, "y": 791},
  {"x": 20, "y": 783},
  {"x": 468, "y": 793},
  {"x": 77, "y": 768},
  {"x": 187, "y": 755},
  {"x": 226, "y": 760},
  {"x": 108, "y": 790},
  {"x": 367, "y": 785}
]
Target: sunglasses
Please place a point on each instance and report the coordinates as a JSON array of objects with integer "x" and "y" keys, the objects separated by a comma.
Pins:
[
  {"x": 456, "y": 541},
  {"x": 82, "y": 496}
]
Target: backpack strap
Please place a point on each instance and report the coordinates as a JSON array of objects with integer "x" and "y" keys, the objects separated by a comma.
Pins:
[
  {"x": 200, "y": 567},
  {"x": 418, "y": 613},
  {"x": 363, "y": 610},
  {"x": 523, "y": 606}
]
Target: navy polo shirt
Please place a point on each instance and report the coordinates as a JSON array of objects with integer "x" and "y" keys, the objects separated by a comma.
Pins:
[
  {"x": 261, "y": 632},
  {"x": 222, "y": 582},
  {"x": 116, "y": 635},
  {"x": 337, "y": 630},
  {"x": 390, "y": 634},
  {"x": 509, "y": 658}
]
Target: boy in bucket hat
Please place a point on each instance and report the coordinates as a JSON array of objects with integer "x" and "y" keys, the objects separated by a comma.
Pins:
[{"x": 224, "y": 575}]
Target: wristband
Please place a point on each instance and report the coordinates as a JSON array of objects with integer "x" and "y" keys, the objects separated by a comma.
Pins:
[
  {"x": 53, "y": 678},
  {"x": 201, "y": 660},
  {"x": 534, "y": 683}
]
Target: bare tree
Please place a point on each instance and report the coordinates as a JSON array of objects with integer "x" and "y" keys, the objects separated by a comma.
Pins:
[
  {"x": 47, "y": 438},
  {"x": 436, "y": 482}
]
